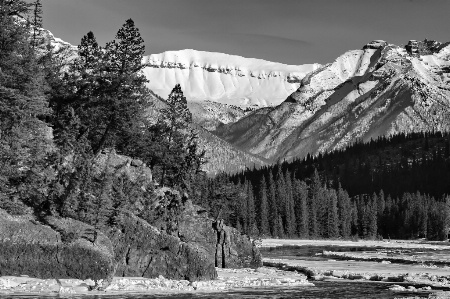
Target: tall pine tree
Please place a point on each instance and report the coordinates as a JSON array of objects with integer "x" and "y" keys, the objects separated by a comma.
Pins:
[
  {"x": 25, "y": 138},
  {"x": 301, "y": 208},
  {"x": 263, "y": 208}
]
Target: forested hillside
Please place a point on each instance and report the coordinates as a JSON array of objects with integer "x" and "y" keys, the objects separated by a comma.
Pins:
[
  {"x": 62, "y": 120},
  {"x": 393, "y": 187}
]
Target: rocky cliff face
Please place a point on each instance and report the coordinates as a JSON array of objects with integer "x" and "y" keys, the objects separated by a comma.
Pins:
[
  {"x": 141, "y": 250},
  {"x": 222, "y": 78},
  {"x": 379, "y": 90}
]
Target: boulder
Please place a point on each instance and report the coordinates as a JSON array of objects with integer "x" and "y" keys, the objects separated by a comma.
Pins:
[
  {"x": 144, "y": 251},
  {"x": 226, "y": 246},
  {"x": 28, "y": 247}
]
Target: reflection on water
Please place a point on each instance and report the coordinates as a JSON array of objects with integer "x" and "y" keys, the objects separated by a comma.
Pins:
[{"x": 323, "y": 289}]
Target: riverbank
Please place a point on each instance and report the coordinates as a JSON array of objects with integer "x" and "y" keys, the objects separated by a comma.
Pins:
[
  {"x": 412, "y": 263},
  {"x": 228, "y": 279}
]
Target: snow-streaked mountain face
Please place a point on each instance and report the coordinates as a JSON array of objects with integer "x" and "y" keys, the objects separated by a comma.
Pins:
[
  {"x": 210, "y": 115},
  {"x": 379, "y": 90},
  {"x": 222, "y": 78}
]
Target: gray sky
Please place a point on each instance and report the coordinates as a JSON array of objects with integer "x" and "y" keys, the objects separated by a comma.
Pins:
[{"x": 287, "y": 31}]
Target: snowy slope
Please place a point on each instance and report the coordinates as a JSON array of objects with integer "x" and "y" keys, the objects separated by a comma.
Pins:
[
  {"x": 379, "y": 90},
  {"x": 222, "y": 78},
  {"x": 211, "y": 115}
]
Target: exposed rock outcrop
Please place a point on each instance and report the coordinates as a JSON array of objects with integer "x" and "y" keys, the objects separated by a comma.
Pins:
[
  {"x": 426, "y": 47},
  {"x": 133, "y": 169},
  {"x": 225, "y": 245},
  {"x": 60, "y": 251},
  {"x": 142, "y": 250},
  {"x": 234, "y": 250}
]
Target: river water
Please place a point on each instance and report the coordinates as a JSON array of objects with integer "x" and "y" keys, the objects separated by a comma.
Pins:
[{"x": 322, "y": 289}]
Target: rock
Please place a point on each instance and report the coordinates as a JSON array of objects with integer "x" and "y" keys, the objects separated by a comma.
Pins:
[
  {"x": 339, "y": 273},
  {"x": 426, "y": 47},
  {"x": 318, "y": 277},
  {"x": 7, "y": 284},
  {"x": 376, "y": 44},
  {"x": 226, "y": 246},
  {"x": 397, "y": 288},
  {"x": 395, "y": 278},
  {"x": 377, "y": 277},
  {"x": 136, "y": 163},
  {"x": 144, "y": 251},
  {"x": 355, "y": 276},
  {"x": 47, "y": 252},
  {"x": 110, "y": 161}
]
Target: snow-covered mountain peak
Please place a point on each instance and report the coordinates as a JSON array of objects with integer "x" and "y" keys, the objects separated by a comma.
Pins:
[
  {"x": 381, "y": 89},
  {"x": 223, "y": 78}
]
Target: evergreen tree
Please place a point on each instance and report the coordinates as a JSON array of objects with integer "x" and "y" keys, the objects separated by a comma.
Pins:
[
  {"x": 372, "y": 210},
  {"x": 263, "y": 208},
  {"x": 251, "y": 213},
  {"x": 355, "y": 218},
  {"x": 281, "y": 199},
  {"x": 301, "y": 208},
  {"x": 179, "y": 155},
  {"x": 278, "y": 229},
  {"x": 291, "y": 223},
  {"x": 315, "y": 198},
  {"x": 333, "y": 221},
  {"x": 344, "y": 212},
  {"x": 123, "y": 96},
  {"x": 25, "y": 138},
  {"x": 273, "y": 207}
]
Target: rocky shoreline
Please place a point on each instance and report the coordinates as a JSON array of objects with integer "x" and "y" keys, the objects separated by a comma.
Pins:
[{"x": 228, "y": 279}]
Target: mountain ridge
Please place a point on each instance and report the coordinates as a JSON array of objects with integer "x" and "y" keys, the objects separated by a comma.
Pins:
[
  {"x": 223, "y": 78},
  {"x": 379, "y": 90}
]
